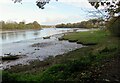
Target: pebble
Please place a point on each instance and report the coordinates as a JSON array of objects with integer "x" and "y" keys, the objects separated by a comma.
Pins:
[{"x": 107, "y": 80}]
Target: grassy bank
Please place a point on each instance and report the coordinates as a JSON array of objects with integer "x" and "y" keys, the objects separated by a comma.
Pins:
[
  {"x": 86, "y": 38},
  {"x": 84, "y": 65}
]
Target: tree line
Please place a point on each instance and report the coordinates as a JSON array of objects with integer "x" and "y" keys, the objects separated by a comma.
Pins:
[
  {"x": 20, "y": 25},
  {"x": 92, "y": 23}
]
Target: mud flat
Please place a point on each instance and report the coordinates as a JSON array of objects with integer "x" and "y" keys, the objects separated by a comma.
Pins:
[{"x": 37, "y": 48}]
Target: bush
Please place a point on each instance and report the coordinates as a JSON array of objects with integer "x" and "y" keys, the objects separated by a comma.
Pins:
[
  {"x": 7, "y": 78},
  {"x": 54, "y": 73},
  {"x": 114, "y": 26}
]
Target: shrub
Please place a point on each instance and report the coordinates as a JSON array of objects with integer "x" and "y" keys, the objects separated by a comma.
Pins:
[{"x": 114, "y": 26}]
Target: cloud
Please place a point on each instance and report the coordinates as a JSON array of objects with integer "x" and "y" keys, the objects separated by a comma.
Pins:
[
  {"x": 62, "y": 19},
  {"x": 11, "y": 1},
  {"x": 70, "y": 0},
  {"x": 78, "y": 3},
  {"x": 52, "y": 14},
  {"x": 5, "y": 1}
]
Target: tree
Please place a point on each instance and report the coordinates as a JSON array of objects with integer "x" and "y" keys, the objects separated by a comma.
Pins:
[
  {"x": 92, "y": 23},
  {"x": 20, "y": 25},
  {"x": 112, "y": 8},
  {"x": 36, "y": 25},
  {"x": 39, "y": 3}
]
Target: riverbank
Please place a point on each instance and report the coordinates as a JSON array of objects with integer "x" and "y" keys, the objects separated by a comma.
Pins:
[
  {"x": 33, "y": 48},
  {"x": 87, "y": 64}
]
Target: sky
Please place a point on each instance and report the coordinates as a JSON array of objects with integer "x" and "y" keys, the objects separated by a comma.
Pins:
[{"x": 56, "y": 12}]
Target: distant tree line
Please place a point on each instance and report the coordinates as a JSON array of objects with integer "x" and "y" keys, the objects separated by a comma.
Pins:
[
  {"x": 92, "y": 23},
  {"x": 20, "y": 25},
  {"x": 46, "y": 26}
]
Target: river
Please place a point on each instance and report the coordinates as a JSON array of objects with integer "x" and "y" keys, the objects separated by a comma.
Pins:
[{"x": 31, "y": 45}]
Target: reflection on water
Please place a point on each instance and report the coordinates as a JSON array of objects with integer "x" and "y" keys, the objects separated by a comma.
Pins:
[{"x": 14, "y": 36}]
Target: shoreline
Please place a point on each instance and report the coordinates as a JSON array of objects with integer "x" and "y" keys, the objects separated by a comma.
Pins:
[
  {"x": 16, "y": 30},
  {"x": 53, "y": 43},
  {"x": 54, "y": 37}
]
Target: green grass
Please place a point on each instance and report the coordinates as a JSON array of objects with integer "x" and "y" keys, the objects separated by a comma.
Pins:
[
  {"x": 81, "y": 65},
  {"x": 89, "y": 37}
]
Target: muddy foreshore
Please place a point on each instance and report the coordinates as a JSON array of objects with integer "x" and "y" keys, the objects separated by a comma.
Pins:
[{"x": 36, "y": 49}]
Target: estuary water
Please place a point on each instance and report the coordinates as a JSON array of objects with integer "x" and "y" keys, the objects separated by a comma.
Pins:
[
  {"x": 30, "y": 44},
  {"x": 21, "y": 35}
]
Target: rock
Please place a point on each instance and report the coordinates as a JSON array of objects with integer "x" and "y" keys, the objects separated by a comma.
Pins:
[
  {"x": 48, "y": 37},
  {"x": 107, "y": 80},
  {"x": 8, "y": 54}
]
